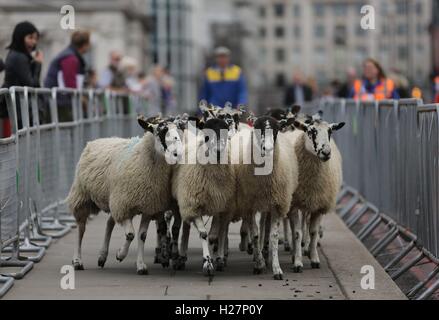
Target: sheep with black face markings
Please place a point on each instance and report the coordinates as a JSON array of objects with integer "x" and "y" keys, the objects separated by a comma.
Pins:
[
  {"x": 126, "y": 177},
  {"x": 205, "y": 189},
  {"x": 266, "y": 191},
  {"x": 320, "y": 179}
]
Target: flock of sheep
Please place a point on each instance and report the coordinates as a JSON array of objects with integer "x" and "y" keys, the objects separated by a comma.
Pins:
[{"x": 144, "y": 176}]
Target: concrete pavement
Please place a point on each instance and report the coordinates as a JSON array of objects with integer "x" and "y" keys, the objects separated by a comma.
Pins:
[{"x": 342, "y": 257}]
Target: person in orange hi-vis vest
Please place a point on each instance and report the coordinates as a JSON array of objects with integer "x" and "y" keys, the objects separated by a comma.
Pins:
[
  {"x": 436, "y": 89},
  {"x": 374, "y": 85}
]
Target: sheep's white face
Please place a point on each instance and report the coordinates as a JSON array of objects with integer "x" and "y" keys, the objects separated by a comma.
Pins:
[
  {"x": 318, "y": 136},
  {"x": 266, "y": 131},
  {"x": 169, "y": 141},
  {"x": 168, "y": 137}
]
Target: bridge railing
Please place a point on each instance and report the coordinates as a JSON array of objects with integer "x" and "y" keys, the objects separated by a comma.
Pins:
[
  {"x": 390, "y": 167},
  {"x": 50, "y": 127}
]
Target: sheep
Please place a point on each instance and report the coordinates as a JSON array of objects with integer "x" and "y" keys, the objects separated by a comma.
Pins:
[
  {"x": 320, "y": 178},
  {"x": 125, "y": 177},
  {"x": 205, "y": 189},
  {"x": 269, "y": 192}
]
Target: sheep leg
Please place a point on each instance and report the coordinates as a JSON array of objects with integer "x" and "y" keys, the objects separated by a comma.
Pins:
[
  {"x": 286, "y": 222},
  {"x": 305, "y": 231},
  {"x": 175, "y": 234},
  {"x": 158, "y": 245},
  {"x": 129, "y": 237},
  {"x": 220, "y": 260},
  {"x": 143, "y": 228},
  {"x": 181, "y": 262},
  {"x": 207, "y": 260},
  {"x": 226, "y": 245},
  {"x": 295, "y": 218},
  {"x": 266, "y": 245},
  {"x": 257, "y": 252},
  {"x": 243, "y": 245},
  {"x": 274, "y": 245},
  {"x": 214, "y": 233},
  {"x": 77, "y": 259},
  {"x": 262, "y": 221},
  {"x": 314, "y": 235},
  {"x": 103, "y": 254}
]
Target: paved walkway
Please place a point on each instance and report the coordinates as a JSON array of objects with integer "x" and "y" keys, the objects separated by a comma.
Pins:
[{"x": 342, "y": 257}]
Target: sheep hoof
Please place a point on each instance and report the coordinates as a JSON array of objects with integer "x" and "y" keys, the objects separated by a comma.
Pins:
[
  {"x": 180, "y": 263},
  {"x": 278, "y": 276},
  {"x": 220, "y": 264},
  {"x": 101, "y": 261},
  {"x": 315, "y": 265},
  {"x": 297, "y": 269},
  {"x": 242, "y": 246},
  {"x": 165, "y": 264},
  {"x": 142, "y": 271},
  {"x": 208, "y": 268},
  {"x": 77, "y": 265},
  {"x": 287, "y": 247},
  {"x": 119, "y": 257},
  {"x": 249, "y": 249}
]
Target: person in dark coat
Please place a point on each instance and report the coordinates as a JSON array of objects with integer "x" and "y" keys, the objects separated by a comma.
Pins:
[
  {"x": 23, "y": 62},
  {"x": 298, "y": 93}
]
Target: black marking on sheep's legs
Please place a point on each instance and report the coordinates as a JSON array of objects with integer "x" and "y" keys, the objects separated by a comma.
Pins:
[
  {"x": 130, "y": 237},
  {"x": 104, "y": 250}
]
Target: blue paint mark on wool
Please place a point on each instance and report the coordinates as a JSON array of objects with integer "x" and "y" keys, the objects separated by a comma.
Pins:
[{"x": 128, "y": 150}]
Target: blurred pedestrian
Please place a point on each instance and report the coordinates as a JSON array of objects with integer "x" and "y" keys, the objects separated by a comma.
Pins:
[
  {"x": 129, "y": 68},
  {"x": 299, "y": 92},
  {"x": 22, "y": 66},
  {"x": 112, "y": 77},
  {"x": 91, "y": 79},
  {"x": 436, "y": 89},
  {"x": 153, "y": 90},
  {"x": 401, "y": 84},
  {"x": 67, "y": 69},
  {"x": 224, "y": 82},
  {"x": 374, "y": 85},
  {"x": 346, "y": 87},
  {"x": 169, "y": 103}
]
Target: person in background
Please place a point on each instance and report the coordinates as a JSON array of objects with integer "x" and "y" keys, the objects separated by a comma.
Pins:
[
  {"x": 401, "y": 83},
  {"x": 169, "y": 102},
  {"x": 436, "y": 89},
  {"x": 374, "y": 85},
  {"x": 67, "y": 69},
  {"x": 153, "y": 90},
  {"x": 22, "y": 66},
  {"x": 112, "y": 77},
  {"x": 346, "y": 87},
  {"x": 129, "y": 68},
  {"x": 224, "y": 82},
  {"x": 299, "y": 92},
  {"x": 91, "y": 79}
]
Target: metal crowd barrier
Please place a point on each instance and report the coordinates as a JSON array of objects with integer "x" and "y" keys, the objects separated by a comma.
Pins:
[
  {"x": 391, "y": 158},
  {"x": 37, "y": 163}
]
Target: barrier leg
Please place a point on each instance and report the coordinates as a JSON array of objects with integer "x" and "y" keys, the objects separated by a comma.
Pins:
[
  {"x": 413, "y": 291},
  {"x": 16, "y": 261},
  {"x": 369, "y": 227},
  {"x": 5, "y": 284},
  {"x": 427, "y": 293},
  {"x": 401, "y": 255},
  {"x": 357, "y": 215},
  {"x": 348, "y": 207},
  {"x": 407, "y": 266},
  {"x": 384, "y": 242}
]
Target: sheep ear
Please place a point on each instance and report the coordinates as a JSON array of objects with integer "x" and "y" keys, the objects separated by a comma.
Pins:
[
  {"x": 146, "y": 124},
  {"x": 318, "y": 115},
  {"x": 295, "y": 109},
  {"x": 199, "y": 124},
  {"x": 336, "y": 126},
  {"x": 300, "y": 125},
  {"x": 286, "y": 124}
]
